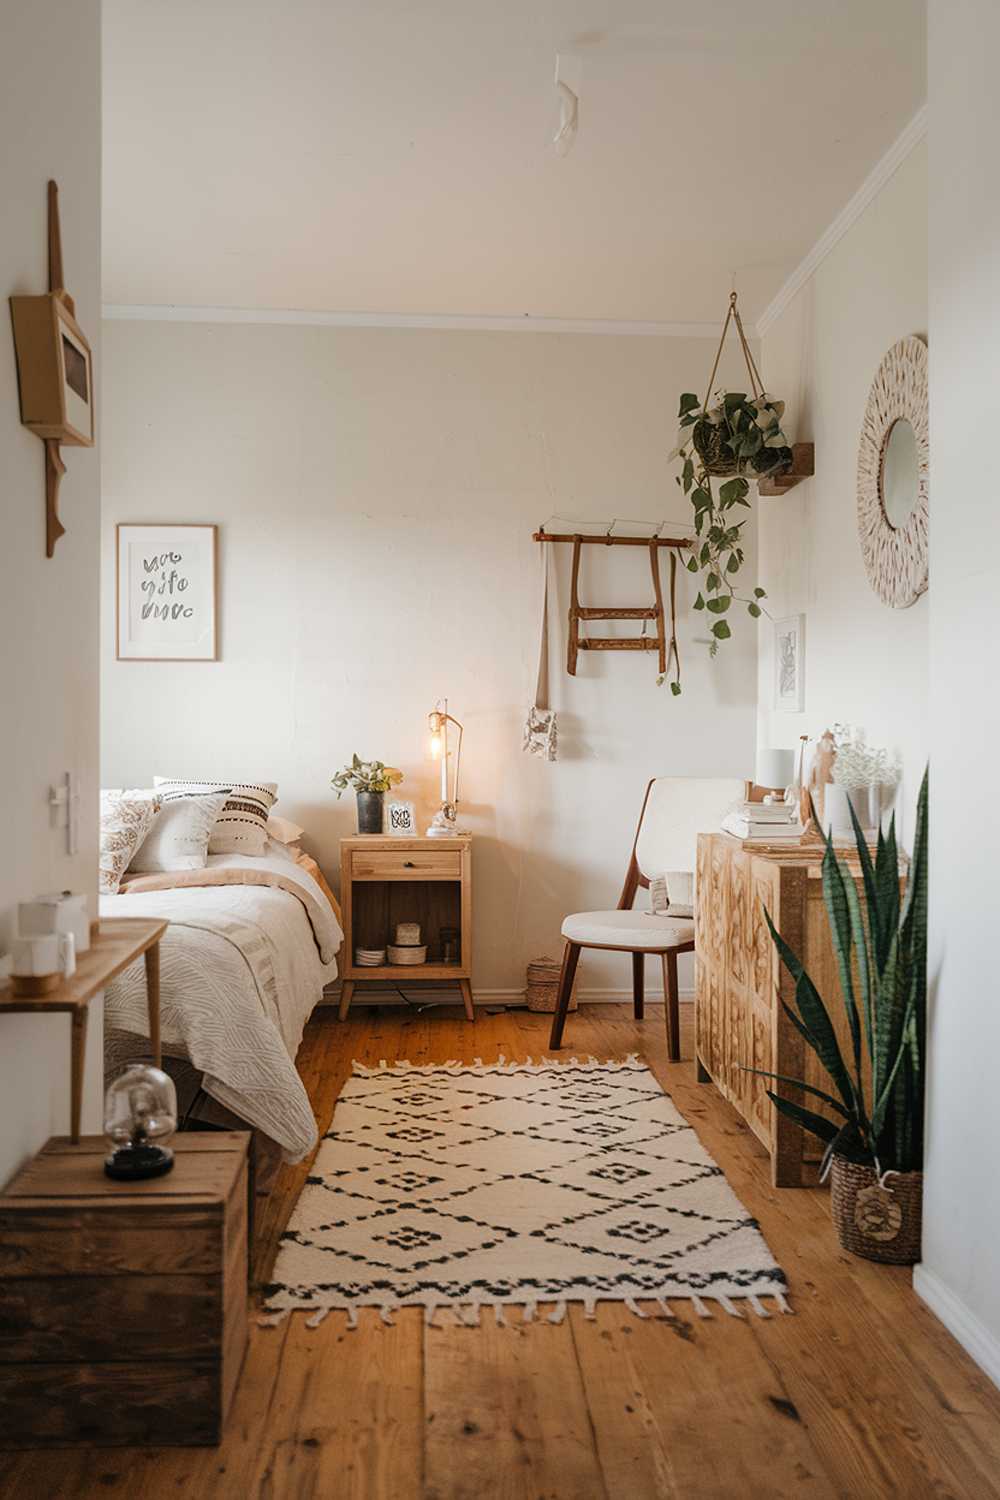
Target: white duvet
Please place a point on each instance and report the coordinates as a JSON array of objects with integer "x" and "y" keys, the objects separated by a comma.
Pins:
[{"x": 242, "y": 966}]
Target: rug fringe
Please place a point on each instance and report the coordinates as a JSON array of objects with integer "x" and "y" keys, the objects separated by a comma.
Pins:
[
  {"x": 469, "y": 1314},
  {"x": 455, "y": 1065}
]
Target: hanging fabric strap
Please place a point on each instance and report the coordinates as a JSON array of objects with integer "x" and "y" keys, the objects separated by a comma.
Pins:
[
  {"x": 540, "y": 730},
  {"x": 673, "y": 654},
  {"x": 756, "y": 384},
  {"x": 542, "y": 678}
]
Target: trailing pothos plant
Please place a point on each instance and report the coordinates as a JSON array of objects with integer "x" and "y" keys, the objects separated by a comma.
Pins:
[
  {"x": 737, "y": 439},
  {"x": 882, "y": 961}
]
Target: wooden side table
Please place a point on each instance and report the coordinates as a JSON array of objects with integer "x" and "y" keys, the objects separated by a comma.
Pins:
[
  {"x": 384, "y": 881},
  {"x": 123, "y": 1305},
  {"x": 118, "y": 942}
]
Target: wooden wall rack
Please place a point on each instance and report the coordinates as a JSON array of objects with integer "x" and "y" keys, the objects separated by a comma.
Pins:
[{"x": 664, "y": 646}]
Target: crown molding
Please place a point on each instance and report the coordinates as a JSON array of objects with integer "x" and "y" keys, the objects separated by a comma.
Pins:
[
  {"x": 291, "y": 316},
  {"x": 883, "y": 169}
]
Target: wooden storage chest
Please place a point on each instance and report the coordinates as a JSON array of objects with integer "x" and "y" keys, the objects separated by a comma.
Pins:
[{"x": 123, "y": 1306}]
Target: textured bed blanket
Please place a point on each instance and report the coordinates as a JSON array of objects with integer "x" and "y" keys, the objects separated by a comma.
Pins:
[{"x": 242, "y": 965}]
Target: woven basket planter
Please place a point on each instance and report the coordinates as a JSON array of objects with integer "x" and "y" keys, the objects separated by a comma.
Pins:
[
  {"x": 710, "y": 445},
  {"x": 879, "y": 1223},
  {"x": 719, "y": 460},
  {"x": 542, "y": 987}
]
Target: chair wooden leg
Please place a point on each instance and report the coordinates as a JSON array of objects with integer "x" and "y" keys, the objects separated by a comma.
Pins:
[
  {"x": 638, "y": 985},
  {"x": 571, "y": 957},
  {"x": 671, "y": 1005}
]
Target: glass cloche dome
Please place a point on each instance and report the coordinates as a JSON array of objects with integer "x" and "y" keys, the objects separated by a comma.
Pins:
[{"x": 140, "y": 1113}]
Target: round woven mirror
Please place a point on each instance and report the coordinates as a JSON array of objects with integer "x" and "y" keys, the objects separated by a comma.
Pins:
[{"x": 893, "y": 493}]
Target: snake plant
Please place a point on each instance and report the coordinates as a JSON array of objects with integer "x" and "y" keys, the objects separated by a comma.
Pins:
[{"x": 881, "y": 949}]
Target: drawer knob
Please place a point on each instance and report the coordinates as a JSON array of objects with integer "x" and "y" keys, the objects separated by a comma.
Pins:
[{"x": 408, "y": 864}]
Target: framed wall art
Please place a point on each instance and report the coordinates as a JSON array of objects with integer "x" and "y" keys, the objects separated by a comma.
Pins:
[
  {"x": 789, "y": 664},
  {"x": 166, "y": 579}
]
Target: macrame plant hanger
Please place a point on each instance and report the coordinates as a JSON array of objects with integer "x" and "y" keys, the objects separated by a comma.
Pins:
[{"x": 756, "y": 384}]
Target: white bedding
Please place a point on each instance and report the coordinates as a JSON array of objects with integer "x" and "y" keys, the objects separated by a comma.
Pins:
[{"x": 241, "y": 968}]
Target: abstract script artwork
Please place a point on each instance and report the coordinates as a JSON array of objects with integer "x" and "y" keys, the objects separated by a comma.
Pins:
[
  {"x": 469, "y": 1186},
  {"x": 166, "y": 579},
  {"x": 789, "y": 663}
]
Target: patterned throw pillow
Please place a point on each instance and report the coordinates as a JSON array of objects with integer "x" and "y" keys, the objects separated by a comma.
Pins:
[
  {"x": 178, "y": 839},
  {"x": 241, "y": 827},
  {"x": 126, "y": 818}
]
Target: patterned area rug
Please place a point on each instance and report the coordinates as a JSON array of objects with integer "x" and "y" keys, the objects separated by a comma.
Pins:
[{"x": 471, "y": 1186}]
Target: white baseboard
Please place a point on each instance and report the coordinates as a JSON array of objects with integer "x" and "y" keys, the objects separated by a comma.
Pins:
[
  {"x": 384, "y": 994},
  {"x": 973, "y": 1335}
]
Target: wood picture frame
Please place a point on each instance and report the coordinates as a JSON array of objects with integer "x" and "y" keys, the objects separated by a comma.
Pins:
[{"x": 166, "y": 591}]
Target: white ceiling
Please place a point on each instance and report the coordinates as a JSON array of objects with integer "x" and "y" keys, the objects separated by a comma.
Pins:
[{"x": 385, "y": 156}]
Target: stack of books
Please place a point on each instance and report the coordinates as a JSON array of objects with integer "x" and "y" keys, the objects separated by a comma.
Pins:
[{"x": 767, "y": 821}]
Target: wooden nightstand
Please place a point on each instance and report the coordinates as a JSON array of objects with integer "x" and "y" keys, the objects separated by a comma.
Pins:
[{"x": 385, "y": 880}]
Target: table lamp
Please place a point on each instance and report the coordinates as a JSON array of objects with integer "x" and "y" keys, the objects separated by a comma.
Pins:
[
  {"x": 444, "y": 824},
  {"x": 775, "y": 769}
]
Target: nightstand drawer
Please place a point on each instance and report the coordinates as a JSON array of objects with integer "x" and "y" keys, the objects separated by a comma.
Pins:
[{"x": 406, "y": 864}]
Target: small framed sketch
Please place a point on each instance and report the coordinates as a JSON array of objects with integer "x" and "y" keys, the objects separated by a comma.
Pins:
[
  {"x": 789, "y": 663},
  {"x": 401, "y": 819},
  {"x": 166, "y": 584}
]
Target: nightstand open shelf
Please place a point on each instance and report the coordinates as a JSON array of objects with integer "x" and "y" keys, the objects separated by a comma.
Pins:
[{"x": 387, "y": 880}]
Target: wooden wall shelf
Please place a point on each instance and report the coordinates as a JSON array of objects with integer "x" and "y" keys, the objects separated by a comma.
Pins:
[{"x": 803, "y": 467}]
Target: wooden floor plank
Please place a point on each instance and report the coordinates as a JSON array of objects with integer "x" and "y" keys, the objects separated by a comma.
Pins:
[
  {"x": 649, "y": 1384},
  {"x": 862, "y": 1394},
  {"x": 506, "y": 1414}
]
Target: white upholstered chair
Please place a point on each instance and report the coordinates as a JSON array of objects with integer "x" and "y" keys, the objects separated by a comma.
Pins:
[{"x": 674, "y": 811}]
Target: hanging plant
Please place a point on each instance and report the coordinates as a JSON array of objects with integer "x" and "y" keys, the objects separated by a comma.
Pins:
[{"x": 737, "y": 438}]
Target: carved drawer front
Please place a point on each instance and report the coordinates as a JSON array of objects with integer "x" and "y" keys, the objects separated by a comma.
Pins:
[{"x": 407, "y": 864}]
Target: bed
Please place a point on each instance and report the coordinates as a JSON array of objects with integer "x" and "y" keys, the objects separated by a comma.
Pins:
[{"x": 251, "y": 944}]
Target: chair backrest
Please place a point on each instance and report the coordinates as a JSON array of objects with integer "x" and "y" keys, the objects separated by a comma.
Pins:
[{"x": 676, "y": 810}]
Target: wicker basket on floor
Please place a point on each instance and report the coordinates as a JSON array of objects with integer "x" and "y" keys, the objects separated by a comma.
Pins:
[
  {"x": 880, "y": 1223},
  {"x": 542, "y": 988}
]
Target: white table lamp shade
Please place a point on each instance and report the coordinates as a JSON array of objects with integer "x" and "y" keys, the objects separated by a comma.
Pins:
[{"x": 775, "y": 768}]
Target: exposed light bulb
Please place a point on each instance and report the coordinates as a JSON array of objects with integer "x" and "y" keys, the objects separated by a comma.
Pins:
[{"x": 436, "y": 746}]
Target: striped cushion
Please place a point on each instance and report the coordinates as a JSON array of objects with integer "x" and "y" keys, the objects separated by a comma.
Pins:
[{"x": 241, "y": 826}]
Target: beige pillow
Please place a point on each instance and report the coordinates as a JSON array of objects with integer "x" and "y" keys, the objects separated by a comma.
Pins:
[
  {"x": 178, "y": 839},
  {"x": 126, "y": 818},
  {"x": 241, "y": 827},
  {"x": 283, "y": 830}
]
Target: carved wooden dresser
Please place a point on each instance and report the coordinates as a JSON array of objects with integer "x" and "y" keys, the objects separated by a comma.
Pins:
[{"x": 739, "y": 1023}]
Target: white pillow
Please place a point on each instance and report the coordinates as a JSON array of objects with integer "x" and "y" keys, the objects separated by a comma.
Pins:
[
  {"x": 126, "y": 818},
  {"x": 284, "y": 830},
  {"x": 178, "y": 839},
  {"x": 241, "y": 827}
]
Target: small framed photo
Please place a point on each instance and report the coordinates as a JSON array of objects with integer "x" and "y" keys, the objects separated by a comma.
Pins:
[
  {"x": 789, "y": 664},
  {"x": 401, "y": 819},
  {"x": 166, "y": 586}
]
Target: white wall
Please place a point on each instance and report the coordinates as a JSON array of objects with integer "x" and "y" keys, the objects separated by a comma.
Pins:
[
  {"x": 50, "y": 123},
  {"x": 376, "y": 492},
  {"x": 962, "y": 1213},
  {"x": 865, "y": 663}
]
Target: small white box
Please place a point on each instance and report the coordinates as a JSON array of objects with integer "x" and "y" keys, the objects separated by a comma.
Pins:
[{"x": 56, "y": 913}]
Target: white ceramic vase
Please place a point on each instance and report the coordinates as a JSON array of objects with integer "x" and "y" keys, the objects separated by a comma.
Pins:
[{"x": 836, "y": 811}]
